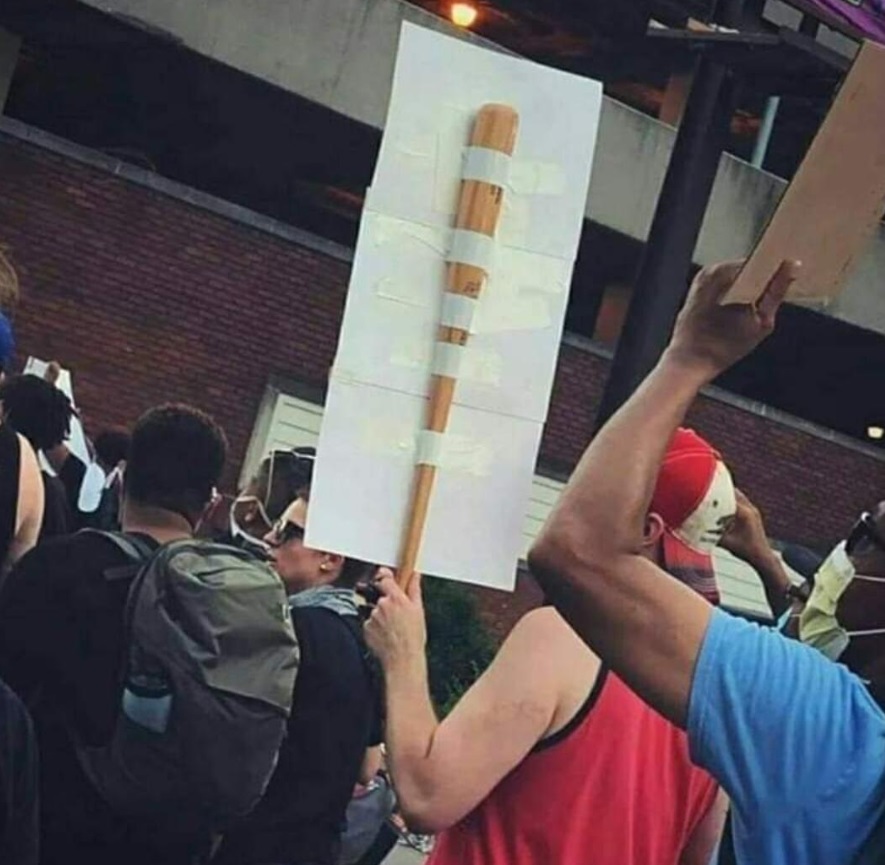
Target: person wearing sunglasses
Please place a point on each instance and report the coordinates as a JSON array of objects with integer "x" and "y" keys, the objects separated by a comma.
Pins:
[{"x": 335, "y": 725}]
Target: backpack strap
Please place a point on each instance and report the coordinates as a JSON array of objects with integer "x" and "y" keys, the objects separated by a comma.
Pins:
[
  {"x": 139, "y": 552},
  {"x": 136, "y": 549}
]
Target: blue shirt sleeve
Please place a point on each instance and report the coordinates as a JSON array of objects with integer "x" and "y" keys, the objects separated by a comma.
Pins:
[{"x": 786, "y": 732}]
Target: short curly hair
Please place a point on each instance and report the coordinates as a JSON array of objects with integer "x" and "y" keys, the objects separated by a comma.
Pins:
[
  {"x": 176, "y": 456},
  {"x": 37, "y": 410}
]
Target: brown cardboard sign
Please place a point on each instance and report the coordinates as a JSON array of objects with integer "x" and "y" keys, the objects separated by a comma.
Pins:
[{"x": 829, "y": 211}]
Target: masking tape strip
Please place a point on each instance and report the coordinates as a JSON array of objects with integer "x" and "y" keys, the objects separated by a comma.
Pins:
[
  {"x": 467, "y": 364},
  {"x": 524, "y": 291},
  {"x": 429, "y": 451},
  {"x": 522, "y": 176},
  {"x": 536, "y": 178},
  {"x": 448, "y": 359},
  {"x": 454, "y": 453},
  {"x": 458, "y": 311},
  {"x": 486, "y": 165},
  {"x": 473, "y": 248},
  {"x": 449, "y": 161}
]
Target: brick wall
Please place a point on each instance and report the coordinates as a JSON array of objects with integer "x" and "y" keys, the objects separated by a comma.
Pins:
[
  {"x": 148, "y": 299},
  {"x": 809, "y": 488}
]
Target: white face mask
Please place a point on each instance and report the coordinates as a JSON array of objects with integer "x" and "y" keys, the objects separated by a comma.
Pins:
[
  {"x": 818, "y": 624},
  {"x": 703, "y": 529}
]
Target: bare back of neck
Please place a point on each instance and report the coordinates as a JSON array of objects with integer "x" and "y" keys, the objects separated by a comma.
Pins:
[{"x": 158, "y": 523}]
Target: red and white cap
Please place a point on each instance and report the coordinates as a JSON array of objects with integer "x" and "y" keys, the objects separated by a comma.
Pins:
[{"x": 694, "y": 496}]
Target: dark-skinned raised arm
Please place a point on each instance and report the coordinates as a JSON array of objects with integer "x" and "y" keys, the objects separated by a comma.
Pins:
[{"x": 644, "y": 624}]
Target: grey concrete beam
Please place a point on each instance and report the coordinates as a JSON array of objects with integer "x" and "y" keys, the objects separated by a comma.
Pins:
[{"x": 340, "y": 53}]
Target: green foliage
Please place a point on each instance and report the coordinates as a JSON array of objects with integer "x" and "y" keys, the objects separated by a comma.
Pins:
[{"x": 458, "y": 646}]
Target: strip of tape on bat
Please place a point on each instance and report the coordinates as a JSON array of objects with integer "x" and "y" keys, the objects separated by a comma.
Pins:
[
  {"x": 835, "y": 201},
  {"x": 459, "y": 310}
]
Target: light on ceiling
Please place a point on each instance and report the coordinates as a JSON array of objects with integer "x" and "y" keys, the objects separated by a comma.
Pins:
[
  {"x": 464, "y": 14},
  {"x": 875, "y": 432}
]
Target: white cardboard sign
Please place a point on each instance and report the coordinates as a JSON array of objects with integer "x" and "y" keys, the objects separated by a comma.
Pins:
[{"x": 379, "y": 390}]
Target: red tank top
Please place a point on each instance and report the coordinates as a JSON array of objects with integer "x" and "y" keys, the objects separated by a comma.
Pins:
[{"x": 614, "y": 787}]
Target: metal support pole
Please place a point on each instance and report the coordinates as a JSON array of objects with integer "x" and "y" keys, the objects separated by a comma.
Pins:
[
  {"x": 763, "y": 138},
  {"x": 10, "y": 46},
  {"x": 663, "y": 277}
]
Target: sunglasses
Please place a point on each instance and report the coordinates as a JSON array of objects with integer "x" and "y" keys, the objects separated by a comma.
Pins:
[
  {"x": 864, "y": 536},
  {"x": 283, "y": 532}
]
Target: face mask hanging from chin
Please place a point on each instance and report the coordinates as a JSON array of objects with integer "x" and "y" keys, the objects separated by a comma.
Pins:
[{"x": 818, "y": 624}]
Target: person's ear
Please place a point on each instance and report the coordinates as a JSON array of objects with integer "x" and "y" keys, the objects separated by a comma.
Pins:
[
  {"x": 652, "y": 531},
  {"x": 211, "y": 514},
  {"x": 331, "y": 563}
]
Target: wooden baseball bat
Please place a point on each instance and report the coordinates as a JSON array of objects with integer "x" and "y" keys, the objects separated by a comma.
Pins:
[{"x": 479, "y": 209}]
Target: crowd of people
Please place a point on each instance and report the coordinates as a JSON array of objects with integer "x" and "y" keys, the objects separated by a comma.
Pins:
[{"x": 187, "y": 682}]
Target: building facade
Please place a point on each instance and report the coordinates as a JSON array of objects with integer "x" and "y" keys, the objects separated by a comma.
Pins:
[{"x": 150, "y": 291}]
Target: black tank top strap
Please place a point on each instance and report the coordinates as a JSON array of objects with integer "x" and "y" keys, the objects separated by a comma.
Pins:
[
  {"x": 10, "y": 469},
  {"x": 578, "y": 718}
]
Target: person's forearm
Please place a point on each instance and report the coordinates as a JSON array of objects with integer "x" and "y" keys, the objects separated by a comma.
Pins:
[
  {"x": 410, "y": 726},
  {"x": 604, "y": 505},
  {"x": 775, "y": 580}
]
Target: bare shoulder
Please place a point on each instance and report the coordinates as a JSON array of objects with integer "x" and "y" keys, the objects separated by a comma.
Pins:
[
  {"x": 29, "y": 508},
  {"x": 549, "y": 659},
  {"x": 30, "y": 468},
  {"x": 30, "y": 484},
  {"x": 546, "y": 635}
]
